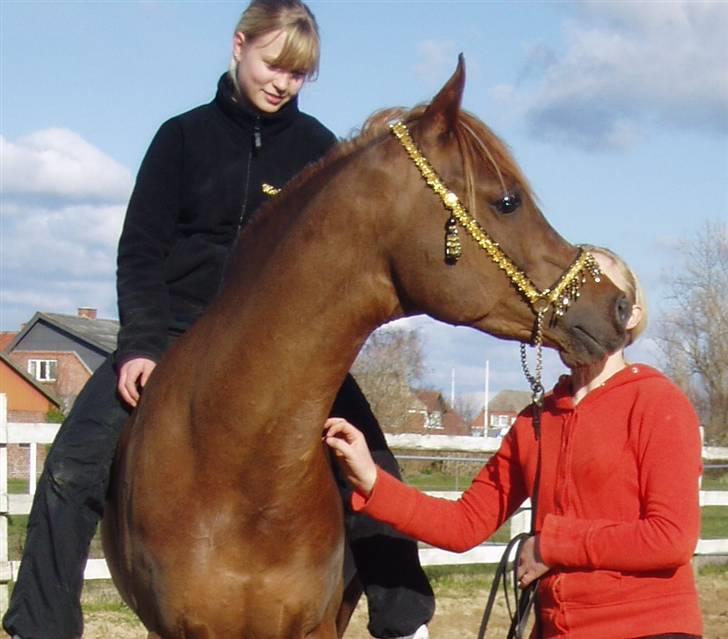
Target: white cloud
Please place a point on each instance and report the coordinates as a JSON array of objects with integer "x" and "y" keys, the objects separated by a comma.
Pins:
[
  {"x": 627, "y": 66},
  {"x": 73, "y": 241},
  {"x": 59, "y": 163},
  {"x": 63, "y": 204},
  {"x": 436, "y": 60}
]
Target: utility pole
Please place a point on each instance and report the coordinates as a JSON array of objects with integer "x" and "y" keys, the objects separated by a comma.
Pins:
[
  {"x": 452, "y": 388},
  {"x": 487, "y": 392}
]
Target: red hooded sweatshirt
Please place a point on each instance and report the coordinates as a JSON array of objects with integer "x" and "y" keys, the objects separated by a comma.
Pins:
[{"x": 618, "y": 517}]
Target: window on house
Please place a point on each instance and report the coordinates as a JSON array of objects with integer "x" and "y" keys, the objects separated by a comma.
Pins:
[
  {"x": 434, "y": 420},
  {"x": 498, "y": 421},
  {"x": 44, "y": 370}
]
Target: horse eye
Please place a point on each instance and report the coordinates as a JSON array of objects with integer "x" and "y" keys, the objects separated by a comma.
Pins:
[{"x": 508, "y": 203}]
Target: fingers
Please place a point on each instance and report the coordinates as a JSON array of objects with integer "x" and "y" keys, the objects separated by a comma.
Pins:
[
  {"x": 531, "y": 566},
  {"x": 339, "y": 424},
  {"x": 340, "y": 428},
  {"x": 350, "y": 449},
  {"x": 332, "y": 426},
  {"x": 127, "y": 390},
  {"x": 133, "y": 376},
  {"x": 527, "y": 579},
  {"x": 146, "y": 372},
  {"x": 339, "y": 446}
]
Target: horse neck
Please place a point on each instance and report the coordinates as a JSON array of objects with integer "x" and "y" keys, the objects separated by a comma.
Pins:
[{"x": 319, "y": 288}]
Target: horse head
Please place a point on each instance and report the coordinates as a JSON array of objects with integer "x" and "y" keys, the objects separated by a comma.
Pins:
[{"x": 496, "y": 263}]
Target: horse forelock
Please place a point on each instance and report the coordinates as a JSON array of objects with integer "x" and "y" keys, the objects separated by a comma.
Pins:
[{"x": 479, "y": 144}]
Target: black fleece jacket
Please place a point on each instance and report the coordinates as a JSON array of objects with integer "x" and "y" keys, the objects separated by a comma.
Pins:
[{"x": 201, "y": 179}]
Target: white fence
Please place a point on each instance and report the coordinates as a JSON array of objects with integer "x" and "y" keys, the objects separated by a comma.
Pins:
[{"x": 32, "y": 434}]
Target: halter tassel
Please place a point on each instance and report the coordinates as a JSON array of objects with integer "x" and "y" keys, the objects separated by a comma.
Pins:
[{"x": 453, "y": 247}]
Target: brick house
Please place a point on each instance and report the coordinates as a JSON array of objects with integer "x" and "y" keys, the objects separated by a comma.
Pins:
[
  {"x": 60, "y": 352},
  {"x": 27, "y": 401},
  {"x": 502, "y": 412},
  {"x": 431, "y": 415},
  {"x": 6, "y": 338}
]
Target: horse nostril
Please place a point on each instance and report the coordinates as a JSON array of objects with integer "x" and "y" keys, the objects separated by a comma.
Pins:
[{"x": 624, "y": 308}]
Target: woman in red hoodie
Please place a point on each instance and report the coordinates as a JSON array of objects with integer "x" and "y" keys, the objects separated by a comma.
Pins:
[{"x": 618, "y": 517}]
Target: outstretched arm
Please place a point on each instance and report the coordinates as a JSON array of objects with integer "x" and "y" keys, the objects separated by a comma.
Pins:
[{"x": 453, "y": 525}]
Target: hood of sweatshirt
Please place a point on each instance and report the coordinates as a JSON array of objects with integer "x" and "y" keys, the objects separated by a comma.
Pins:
[{"x": 561, "y": 397}]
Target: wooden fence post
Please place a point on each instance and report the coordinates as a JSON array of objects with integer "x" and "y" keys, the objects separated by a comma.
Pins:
[
  {"x": 4, "y": 503},
  {"x": 521, "y": 520}
]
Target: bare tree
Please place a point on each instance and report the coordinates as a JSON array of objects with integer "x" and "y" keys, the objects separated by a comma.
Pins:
[
  {"x": 693, "y": 334},
  {"x": 468, "y": 407},
  {"x": 389, "y": 365}
]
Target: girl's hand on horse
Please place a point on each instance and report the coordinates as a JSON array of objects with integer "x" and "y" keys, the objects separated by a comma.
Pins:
[
  {"x": 530, "y": 565},
  {"x": 351, "y": 451},
  {"x": 133, "y": 376}
]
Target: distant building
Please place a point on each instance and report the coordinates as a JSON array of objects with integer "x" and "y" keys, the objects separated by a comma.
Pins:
[
  {"x": 27, "y": 401},
  {"x": 502, "y": 412},
  {"x": 431, "y": 415},
  {"x": 60, "y": 352},
  {"x": 6, "y": 338}
]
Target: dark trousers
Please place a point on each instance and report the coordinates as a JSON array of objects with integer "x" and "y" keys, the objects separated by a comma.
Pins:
[
  {"x": 69, "y": 503},
  {"x": 399, "y": 596}
]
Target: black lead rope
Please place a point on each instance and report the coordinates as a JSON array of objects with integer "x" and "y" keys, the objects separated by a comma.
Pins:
[{"x": 524, "y": 601}]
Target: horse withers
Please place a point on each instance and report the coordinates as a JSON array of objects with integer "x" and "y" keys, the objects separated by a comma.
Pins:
[{"x": 223, "y": 518}]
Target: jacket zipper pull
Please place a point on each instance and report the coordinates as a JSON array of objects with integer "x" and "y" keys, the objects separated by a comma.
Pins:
[{"x": 257, "y": 138}]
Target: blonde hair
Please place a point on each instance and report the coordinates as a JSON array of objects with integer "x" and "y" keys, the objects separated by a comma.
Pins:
[
  {"x": 629, "y": 283},
  {"x": 300, "y": 52}
]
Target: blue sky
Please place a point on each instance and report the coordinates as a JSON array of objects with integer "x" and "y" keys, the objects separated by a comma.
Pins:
[{"x": 616, "y": 111}]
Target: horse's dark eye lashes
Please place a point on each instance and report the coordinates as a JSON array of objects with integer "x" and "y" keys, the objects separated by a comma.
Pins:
[{"x": 508, "y": 203}]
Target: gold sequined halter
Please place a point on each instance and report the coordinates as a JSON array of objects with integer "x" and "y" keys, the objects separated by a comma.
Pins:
[{"x": 559, "y": 297}]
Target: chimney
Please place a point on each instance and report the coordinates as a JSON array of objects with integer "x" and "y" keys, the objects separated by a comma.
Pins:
[{"x": 87, "y": 312}]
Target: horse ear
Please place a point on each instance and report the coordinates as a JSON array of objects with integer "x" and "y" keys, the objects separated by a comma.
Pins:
[{"x": 441, "y": 115}]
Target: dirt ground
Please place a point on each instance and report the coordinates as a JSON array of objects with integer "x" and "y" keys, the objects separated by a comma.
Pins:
[{"x": 458, "y": 616}]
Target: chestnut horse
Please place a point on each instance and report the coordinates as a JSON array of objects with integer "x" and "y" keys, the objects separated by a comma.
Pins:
[{"x": 223, "y": 518}]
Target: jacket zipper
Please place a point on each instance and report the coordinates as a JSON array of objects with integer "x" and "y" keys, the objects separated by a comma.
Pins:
[{"x": 257, "y": 144}]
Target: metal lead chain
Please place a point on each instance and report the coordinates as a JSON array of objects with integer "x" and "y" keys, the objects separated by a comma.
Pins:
[{"x": 534, "y": 380}]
